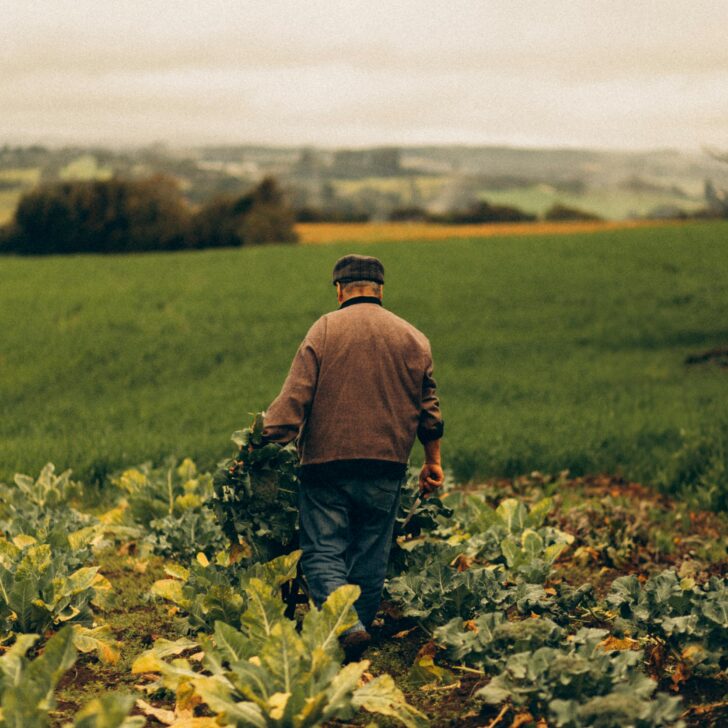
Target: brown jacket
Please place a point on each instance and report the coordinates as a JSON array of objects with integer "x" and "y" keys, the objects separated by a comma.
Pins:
[{"x": 360, "y": 387}]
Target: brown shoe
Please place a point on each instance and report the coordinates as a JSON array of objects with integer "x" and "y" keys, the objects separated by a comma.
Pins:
[{"x": 354, "y": 644}]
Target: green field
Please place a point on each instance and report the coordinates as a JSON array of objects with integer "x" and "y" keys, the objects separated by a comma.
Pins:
[
  {"x": 611, "y": 203},
  {"x": 550, "y": 352}
]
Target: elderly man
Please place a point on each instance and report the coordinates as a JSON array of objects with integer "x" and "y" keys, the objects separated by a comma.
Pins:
[{"x": 360, "y": 389}]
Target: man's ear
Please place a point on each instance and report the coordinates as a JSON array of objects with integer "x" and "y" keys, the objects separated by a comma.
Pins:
[{"x": 339, "y": 295}]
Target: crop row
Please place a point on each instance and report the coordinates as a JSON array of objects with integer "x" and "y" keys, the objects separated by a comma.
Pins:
[{"x": 479, "y": 580}]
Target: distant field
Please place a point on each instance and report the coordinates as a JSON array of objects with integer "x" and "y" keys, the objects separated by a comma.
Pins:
[
  {"x": 551, "y": 351},
  {"x": 8, "y": 202},
  {"x": 377, "y": 232},
  {"x": 610, "y": 203}
]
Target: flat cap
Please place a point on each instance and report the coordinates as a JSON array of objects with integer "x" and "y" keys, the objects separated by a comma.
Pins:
[{"x": 354, "y": 267}]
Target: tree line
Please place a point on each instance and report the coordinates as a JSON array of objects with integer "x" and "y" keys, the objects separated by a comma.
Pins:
[
  {"x": 137, "y": 215},
  {"x": 126, "y": 216}
]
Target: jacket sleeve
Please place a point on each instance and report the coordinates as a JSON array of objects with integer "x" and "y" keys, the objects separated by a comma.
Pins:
[
  {"x": 431, "y": 425},
  {"x": 287, "y": 413}
]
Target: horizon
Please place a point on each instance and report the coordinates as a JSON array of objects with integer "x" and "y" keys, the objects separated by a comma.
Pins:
[{"x": 122, "y": 147}]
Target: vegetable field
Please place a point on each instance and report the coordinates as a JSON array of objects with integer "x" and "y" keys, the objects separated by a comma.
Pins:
[
  {"x": 539, "y": 601},
  {"x": 572, "y": 573}
]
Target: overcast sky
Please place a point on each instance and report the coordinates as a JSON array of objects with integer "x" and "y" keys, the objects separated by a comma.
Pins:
[{"x": 598, "y": 73}]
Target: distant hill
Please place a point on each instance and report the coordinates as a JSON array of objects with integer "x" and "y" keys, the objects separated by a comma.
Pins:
[{"x": 374, "y": 183}]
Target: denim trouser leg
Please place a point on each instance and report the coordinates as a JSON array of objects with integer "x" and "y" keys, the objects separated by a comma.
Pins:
[{"x": 346, "y": 535}]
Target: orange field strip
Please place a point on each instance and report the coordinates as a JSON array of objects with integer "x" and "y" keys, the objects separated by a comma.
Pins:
[{"x": 375, "y": 232}]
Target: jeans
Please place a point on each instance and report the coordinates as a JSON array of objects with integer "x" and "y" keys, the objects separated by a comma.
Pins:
[{"x": 346, "y": 535}]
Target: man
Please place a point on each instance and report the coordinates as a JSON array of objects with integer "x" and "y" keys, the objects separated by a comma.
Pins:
[{"x": 360, "y": 389}]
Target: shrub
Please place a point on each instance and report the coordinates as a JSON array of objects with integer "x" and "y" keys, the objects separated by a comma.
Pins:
[
  {"x": 111, "y": 216},
  {"x": 561, "y": 212},
  {"x": 260, "y": 216}
]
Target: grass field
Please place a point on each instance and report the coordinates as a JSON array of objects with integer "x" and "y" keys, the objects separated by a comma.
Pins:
[
  {"x": 551, "y": 352},
  {"x": 609, "y": 202}
]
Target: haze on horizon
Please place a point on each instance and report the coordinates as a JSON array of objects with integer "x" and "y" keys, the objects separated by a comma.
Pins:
[{"x": 596, "y": 73}]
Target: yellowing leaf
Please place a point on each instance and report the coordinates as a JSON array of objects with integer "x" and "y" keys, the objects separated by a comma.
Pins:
[
  {"x": 167, "y": 717},
  {"x": 615, "y": 643},
  {"x": 177, "y": 571},
  {"x": 82, "y": 579},
  {"x": 99, "y": 639},
  {"x": 151, "y": 660},
  {"x": 202, "y": 559},
  {"x": 170, "y": 589},
  {"x": 188, "y": 501},
  {"x": 693, "y": 654},
  {"x": 22, "y": 540},
  {"x": 277, "y": 703},
  {"x": 83, "y": 537},
  {"x": 382, "y": 696},
  {"x": 115, "y": 516}
]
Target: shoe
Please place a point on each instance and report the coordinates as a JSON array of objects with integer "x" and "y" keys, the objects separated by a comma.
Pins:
[{"x": 354, "y": 644}]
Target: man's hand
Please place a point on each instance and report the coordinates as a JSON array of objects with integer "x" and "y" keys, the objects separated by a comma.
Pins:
[{"x": 431, "y": 478}]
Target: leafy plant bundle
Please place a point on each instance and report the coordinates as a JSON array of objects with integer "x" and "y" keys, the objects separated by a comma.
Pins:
[
  {"x": 691, "y": 620},
  {"x": 267, "y": 674},
  {"x": 582, "y": 685},
  {"x": 430, "y": 515},
  {"x": 256, "y": 494}
]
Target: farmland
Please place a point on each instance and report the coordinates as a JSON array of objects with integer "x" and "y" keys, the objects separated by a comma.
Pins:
[
  {"x": 539, "y": 598},
  {"x": 573, "y": 571},
  {"x": 551, "y": 352}
]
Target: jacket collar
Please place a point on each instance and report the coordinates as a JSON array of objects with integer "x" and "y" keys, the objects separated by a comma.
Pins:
[{"x": 360, "y": 299}]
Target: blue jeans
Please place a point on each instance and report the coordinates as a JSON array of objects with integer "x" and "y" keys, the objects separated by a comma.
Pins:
[{"x": 346, "y": 535}]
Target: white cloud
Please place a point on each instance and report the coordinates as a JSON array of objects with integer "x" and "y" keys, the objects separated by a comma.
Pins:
[{"x": 596, "y": 72}]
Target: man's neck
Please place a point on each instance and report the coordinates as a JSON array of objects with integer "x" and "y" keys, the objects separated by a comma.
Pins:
[{"x": 360, "y": 298}]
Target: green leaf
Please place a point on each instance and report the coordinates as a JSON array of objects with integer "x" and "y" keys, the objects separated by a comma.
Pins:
[
  {"x": 282, "y": 655},
  {"x": 20, "y": 600},
  {"x": 717, "y": 611},
  {"x": 108, "y": 711},
  {"x": 276, "y": 572},
  {"x": 552, "y": 552},
  {"x": 510, "y": 551},
  {"x": 265, "y": 610},
  {"x": 512, "y": 514},
  {"x": 339, "y": 692},
  {"x": 215, "y": 691},
  {"x": 12, "y": 662},
  {"x": 27, "y": 702},
  {"x": 532, "y": 543},
  {"x": 538, "y": 512},
  {"x": 234, "y": 645},
  {"x": 322, "y": 627},
  {"x": 495, "y": 692}
]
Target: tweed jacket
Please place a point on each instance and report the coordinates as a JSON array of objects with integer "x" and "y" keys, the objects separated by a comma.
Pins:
[{"x": 360, "y": 387}]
